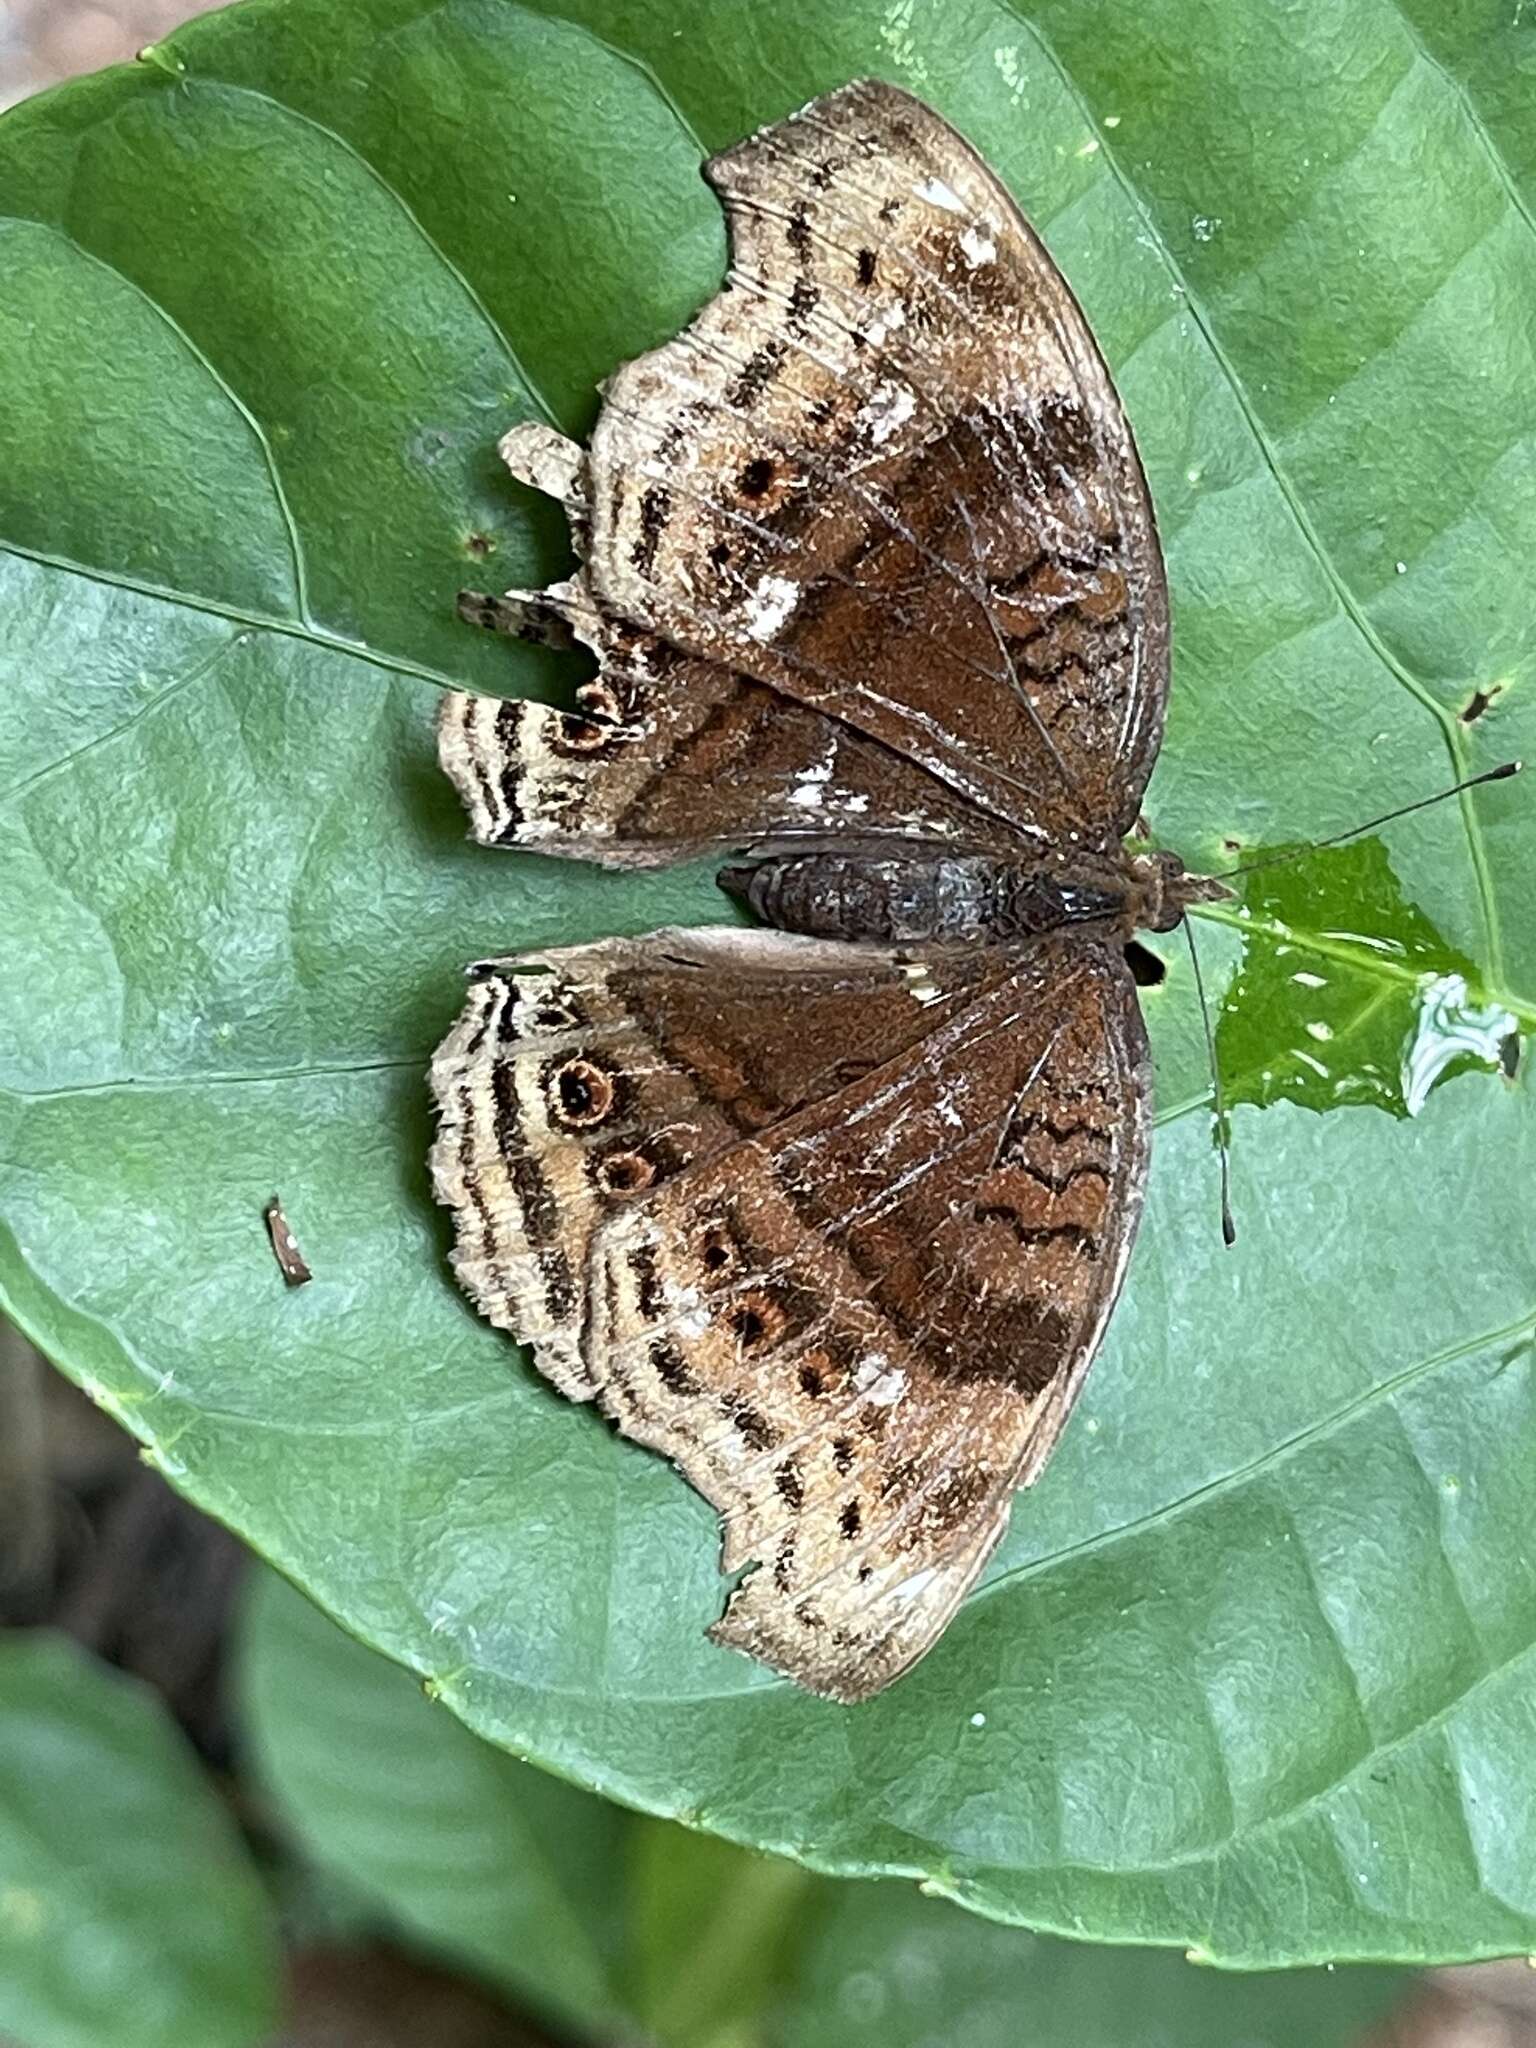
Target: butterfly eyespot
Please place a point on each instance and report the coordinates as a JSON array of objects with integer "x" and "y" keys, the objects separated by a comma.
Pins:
[
  {"x": 755, "y": 477},
  {"x": 757, "y": 1320},
  {"x": 581, "y": 1094},
  {"x": 597, "y": 701},
  {"x": 624, "y": 1173},
  {"x": 550, "y": 1017},
  {"x": 583, "y": 735}
]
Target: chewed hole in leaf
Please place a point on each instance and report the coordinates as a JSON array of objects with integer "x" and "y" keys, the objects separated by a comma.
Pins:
[{"x": 1346, "y": 993}]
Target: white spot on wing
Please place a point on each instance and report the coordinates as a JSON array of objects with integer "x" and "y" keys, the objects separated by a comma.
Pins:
[
  {"x": 880, "y": 1383},
  {"x": 772, "y": 602},
  {"x": 894, "y": 316},
  {"x": 919, "y": 982},
  {"x": 977, "y": 247},
  {"x": 807, "y": 792},
  {"x": 889, "y": 407},
  {"x": 937, "y": 193}
]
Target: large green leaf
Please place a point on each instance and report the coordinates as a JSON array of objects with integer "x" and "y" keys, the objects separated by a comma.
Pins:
[
  {"x": 1253, "y": 1671},
  {"x": 607, "y": 1917},
  {"x": 129, "y": 1910}
]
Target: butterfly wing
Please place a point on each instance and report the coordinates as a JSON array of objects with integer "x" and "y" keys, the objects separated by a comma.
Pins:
[
  {"x": 866, "y": 549},
  {"x": 668, "y": 755},
  {"x": 886, "y": 472},
  {"x": 838, "y": 1233}
]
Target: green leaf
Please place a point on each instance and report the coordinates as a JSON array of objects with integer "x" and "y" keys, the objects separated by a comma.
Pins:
[
  {"x": 612, "y": 1918},
  {"x": 129, "y": 1910},
  {"x": 493, "y": 1864},
  {"x": 264, "y": 319},
  {"x": 1375, "y": 1020}
]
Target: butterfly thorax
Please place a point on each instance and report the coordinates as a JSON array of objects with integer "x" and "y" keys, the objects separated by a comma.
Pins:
[{"x": 905, "y": 896}]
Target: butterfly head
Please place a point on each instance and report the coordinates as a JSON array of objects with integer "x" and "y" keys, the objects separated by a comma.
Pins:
[{"x": 1162, "y": 890}]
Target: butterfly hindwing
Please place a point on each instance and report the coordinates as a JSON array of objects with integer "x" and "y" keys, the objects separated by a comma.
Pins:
[
  {"x": 836, "y": 1232},
  {"x": 669, "y": 756},
  {"x": 578, "y": 1077}
]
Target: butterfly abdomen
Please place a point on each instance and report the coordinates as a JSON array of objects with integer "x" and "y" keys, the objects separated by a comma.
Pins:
[{"x": 913, "y": 897}]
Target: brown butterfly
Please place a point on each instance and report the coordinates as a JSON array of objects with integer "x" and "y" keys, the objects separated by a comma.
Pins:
[{"x": 834, "y": 1214}]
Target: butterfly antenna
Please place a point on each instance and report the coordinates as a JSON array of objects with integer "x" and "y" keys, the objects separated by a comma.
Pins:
[
  {"x": 1272, "y": 860},
  {"x": 1223, "y": 1144}
]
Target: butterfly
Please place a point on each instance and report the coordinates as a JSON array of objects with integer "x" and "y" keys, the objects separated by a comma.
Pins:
[{"x": 832, "y": 1208}]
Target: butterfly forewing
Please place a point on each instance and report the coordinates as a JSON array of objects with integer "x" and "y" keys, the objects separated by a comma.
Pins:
[{"x": 886, "y": 471}]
